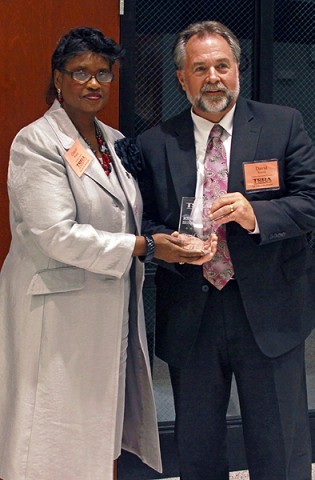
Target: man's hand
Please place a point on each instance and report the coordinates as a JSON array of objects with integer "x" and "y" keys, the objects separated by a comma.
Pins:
[{"x": 233, "y": 207}]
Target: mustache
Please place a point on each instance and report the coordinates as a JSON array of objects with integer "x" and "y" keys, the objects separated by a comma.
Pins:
[{"x": 213, "y": 88}]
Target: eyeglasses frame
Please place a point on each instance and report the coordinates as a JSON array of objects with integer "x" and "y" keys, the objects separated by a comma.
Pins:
[{"x": 69, "y": 72}]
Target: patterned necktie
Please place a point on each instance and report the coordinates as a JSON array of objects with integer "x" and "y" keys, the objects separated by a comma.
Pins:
[{"x": 220, "y": 269}]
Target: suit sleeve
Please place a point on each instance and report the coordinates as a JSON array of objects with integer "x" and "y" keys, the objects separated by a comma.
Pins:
[{"x": 293, "y": 213}]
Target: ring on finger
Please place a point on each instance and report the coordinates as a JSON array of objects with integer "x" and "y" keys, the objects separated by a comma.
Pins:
[{"x": 231, "y": 208}]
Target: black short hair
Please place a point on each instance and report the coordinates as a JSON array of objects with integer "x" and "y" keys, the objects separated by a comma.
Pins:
[{"x": 77, "y": 41}]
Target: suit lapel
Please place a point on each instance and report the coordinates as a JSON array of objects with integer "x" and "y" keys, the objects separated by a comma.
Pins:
[
  {"x": 246, "y": 131},
  {"x": 181, "y": 153},
  {"x": 182, "y": 158}
]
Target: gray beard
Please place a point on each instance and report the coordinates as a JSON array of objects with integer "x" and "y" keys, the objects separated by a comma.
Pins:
[{"x": 212, "y": 105}]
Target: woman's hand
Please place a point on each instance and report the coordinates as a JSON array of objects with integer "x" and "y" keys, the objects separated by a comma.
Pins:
[
  {"x": 173, "y": 249},
  {"x": 179, "y": 248},
  {"x": 207, "y": 249}
]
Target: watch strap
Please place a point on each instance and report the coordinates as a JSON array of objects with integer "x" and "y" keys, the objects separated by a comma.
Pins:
[{"x": 150, "y": 248}]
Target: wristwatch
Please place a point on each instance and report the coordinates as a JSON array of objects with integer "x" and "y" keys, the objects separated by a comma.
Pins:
[{"x": 150, "y": 248}]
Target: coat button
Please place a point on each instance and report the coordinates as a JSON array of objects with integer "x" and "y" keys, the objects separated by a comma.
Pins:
[{"x": 205, "y": 288}]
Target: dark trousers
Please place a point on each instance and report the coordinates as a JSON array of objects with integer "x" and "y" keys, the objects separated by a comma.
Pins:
[{"x": 272, "y": 395}]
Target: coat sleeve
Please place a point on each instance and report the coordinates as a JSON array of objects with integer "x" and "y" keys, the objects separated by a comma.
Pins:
[
  {"x": 44, "y": 209},
  {"x": 293, "y": 212}
]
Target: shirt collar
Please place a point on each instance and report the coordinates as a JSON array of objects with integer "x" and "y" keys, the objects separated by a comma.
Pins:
[{"x": 203, "y": 126}]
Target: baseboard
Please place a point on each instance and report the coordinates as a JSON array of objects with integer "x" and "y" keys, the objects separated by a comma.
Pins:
[{"x": 131, "y": 468}]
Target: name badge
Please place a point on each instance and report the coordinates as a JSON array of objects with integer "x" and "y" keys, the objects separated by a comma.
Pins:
[
  {"x": 78, "y": 158},
  {"x": 261, "y": 175}
]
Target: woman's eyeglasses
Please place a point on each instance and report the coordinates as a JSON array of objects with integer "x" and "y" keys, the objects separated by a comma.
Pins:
[{"x": 82, "y": 77}]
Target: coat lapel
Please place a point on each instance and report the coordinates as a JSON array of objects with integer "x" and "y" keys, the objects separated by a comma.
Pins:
[
  {"x": 126, "y": 180},
  {"x": 246, "y": 131},
  {"x": 95, "y": 170},
  {"x": 182, "y": 158},
  {"x": 67, "y": 134}
]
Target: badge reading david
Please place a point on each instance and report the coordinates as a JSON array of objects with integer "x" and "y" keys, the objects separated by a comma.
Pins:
[
  {"x": 78, "y": 158},
  {"x": 261, "y": 175}
]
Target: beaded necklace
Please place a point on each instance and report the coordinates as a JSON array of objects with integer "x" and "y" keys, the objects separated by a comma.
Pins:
[{"x": 106, "y": 158}]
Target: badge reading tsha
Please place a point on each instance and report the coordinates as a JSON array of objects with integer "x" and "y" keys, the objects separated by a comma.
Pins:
[
  {"x": 261, "y": 175},
  {"x": 78, "y": 158}
]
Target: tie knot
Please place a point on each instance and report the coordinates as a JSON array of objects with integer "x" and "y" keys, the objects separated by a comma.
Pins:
[{"x": 216, "y": 131}]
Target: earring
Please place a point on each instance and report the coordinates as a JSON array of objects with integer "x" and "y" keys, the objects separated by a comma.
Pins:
[{"x": 59, "y": 96}]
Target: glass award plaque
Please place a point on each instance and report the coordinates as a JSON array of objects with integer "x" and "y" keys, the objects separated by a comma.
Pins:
[{"x": 194, "y": 217}]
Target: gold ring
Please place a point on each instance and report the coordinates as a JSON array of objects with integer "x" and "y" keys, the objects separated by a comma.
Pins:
[
  {"x": 231, "y": 208},
  {"x": 181, "y": 263}
]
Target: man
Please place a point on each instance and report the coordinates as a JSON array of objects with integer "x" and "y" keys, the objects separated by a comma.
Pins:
[{"x": 254, "y": 320}]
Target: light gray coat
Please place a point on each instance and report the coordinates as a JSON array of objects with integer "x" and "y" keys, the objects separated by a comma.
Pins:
[{"x": 62, "y": 291}]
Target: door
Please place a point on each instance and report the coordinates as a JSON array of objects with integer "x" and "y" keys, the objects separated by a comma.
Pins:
[{"x": 29, "y": 33}]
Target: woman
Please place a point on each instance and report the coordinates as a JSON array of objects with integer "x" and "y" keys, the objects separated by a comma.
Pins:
[{"x": 70, "y": 295}]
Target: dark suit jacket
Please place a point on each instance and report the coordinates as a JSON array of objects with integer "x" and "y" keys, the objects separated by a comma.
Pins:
[{"x": 274, "y": 270}]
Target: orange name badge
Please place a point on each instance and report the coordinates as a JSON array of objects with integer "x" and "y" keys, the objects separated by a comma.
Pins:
[
  {"x": 261, "y": 175},
  {"x": 78, "y": 158}
]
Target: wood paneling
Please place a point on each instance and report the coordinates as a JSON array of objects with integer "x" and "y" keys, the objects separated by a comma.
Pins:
[{"x": 29, "y": 32}]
